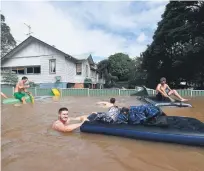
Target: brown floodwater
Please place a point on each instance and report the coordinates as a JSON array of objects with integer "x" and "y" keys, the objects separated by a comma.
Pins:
[{"x": 29, "y": 143}]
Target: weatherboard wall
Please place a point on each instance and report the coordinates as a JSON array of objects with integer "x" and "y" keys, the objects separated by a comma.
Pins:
[{"x": 35, "y": 54}]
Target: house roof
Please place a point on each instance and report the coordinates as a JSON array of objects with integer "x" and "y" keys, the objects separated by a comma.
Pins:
[{"x": 28, "y": 41}]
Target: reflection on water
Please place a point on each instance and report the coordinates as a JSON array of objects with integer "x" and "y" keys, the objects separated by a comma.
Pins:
[{"x": 29, "y": 143}]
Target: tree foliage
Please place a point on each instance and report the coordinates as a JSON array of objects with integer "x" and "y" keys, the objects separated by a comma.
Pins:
[
  {"x": 9, "y": 78},
  {"x": 137, "y": 76},
  {"x": 7, "y": 40},
  {"x": 104, "y": 69},
  {"x": 178, "y": 45},
  {"x": 115, "y": 68},
  {"x": 120, "y": 66}
]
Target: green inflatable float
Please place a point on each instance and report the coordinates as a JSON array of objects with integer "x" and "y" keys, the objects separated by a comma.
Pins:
[{"x": 29, "y": 99}]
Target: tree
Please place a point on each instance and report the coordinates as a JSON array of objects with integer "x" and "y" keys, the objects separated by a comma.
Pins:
[
  {"x": 137, "y": 76},
  {"x": 104, "y": 69},
  {"x": 7, "y": 40},
  {"x": 9, "y": 78},
  {"x": 120, "y": 66},
  {"x": 177, "y": 47}
]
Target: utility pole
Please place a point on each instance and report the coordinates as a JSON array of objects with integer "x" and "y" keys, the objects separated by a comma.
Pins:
[{"x": 29, "y": 30}]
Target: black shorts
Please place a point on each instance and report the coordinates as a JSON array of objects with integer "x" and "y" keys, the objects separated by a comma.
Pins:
[{"x": 160, "y": 97}]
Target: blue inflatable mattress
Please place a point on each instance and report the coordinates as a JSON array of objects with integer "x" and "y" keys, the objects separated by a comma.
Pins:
[{"x": 180, "y": 130}]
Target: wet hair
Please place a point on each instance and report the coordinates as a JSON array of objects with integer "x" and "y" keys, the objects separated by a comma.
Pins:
[
  {"x": 62, "y": 109},
  {"x": 112, "y": 100},
  {"x": 24, "y": 78},
  {"x": 162, "y": 79},
  {"x": 124, "y": 110}
]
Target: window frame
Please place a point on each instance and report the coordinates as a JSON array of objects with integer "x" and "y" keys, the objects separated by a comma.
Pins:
[
  {"x": 50, "y": 61},
  {"x": 79, "y": 73}
]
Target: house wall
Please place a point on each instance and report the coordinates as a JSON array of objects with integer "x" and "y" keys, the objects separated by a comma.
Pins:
[
  {"x": 39, "y": 54},
  {"x": 80, "y": 78}
]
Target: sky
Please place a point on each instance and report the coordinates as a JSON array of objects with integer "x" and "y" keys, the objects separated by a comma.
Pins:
[{"x": 80, "y": 28}]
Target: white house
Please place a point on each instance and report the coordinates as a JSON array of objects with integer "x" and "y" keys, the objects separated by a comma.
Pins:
[{"x": 49, "y": 67}]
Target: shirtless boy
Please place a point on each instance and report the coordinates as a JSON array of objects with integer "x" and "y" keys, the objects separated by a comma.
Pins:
[
  {"x": 107, "y": 104},
  {"x": 63, "y": 125},
  {"x": 20, "y": 89},
  {"x": 164, "y": 90}
]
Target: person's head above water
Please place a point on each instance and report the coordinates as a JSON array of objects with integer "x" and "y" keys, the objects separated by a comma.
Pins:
[
  {"x": 112, "y": 100},
  {"x": 63, "y": 114},
  {"x": 163, "y": 80}
]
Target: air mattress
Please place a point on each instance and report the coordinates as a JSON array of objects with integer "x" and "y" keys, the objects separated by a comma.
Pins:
[
  {"x": 180, "y": 130},
  {"x": 16, "y": 101},
  {"x": 153, "y": 100}
]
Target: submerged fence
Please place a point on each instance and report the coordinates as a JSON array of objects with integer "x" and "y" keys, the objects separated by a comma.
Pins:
[{"x": 95, "y": 92}]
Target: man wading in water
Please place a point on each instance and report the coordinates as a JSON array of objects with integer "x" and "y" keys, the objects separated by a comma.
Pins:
[
  {"x": 63, "y": 125},
  {"x": 20, "y": 87},
  {"x": 163, "y": 90}
]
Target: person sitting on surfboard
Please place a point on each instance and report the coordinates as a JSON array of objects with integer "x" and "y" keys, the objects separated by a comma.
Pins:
[
  {"x": 63, "y": 125},
  {"x": 20, "y": 88},
  {"x": 163, "y": 90}
]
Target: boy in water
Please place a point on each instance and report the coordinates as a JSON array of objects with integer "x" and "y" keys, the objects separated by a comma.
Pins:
[
  {"x": 20, "y": 88},
  {"x": 63, "y": 125}
]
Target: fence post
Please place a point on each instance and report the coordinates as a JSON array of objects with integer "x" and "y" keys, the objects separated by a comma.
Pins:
[
  {"x": 35, "y": 91},
  {"x": 119, "y": 92},
  {"x": 88, "y": 91},
  {"x": 13, "y": 90},
  {"x": 191, "y": 93},
  {"x": 61, "y": 92}
]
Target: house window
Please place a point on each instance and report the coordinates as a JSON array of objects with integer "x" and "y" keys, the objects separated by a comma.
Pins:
[
  {"x": 19, "y": 70},
  {"x": 52, "y": 66},
  {"x": 87, "y": 71},
  {"x": 78, "y": 69},
  {"x": 33, "y": 70}
]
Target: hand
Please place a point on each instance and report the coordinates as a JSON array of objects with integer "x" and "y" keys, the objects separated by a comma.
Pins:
[
  {"x": 83, "y": 119},
  {"x": 29, "y": 93}
]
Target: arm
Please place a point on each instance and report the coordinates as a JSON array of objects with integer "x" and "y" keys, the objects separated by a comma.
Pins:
[
  {"x": 22, "y": 86},
  {"x": 66, "y": 128},
  {"x": 80, "y": 118},
  {"x": 161, "y": 90},
  {"x": 4, "y": 95},
  {"x": 167, "y": 86}
]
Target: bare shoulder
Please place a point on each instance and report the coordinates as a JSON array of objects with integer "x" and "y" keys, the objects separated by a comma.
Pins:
[
  {"x": 158, "y": 85},
  {"x": 57, "y": 124}
]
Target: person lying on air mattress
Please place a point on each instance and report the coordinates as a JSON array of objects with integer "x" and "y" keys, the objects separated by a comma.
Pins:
[{"x": 142, "y": 114}]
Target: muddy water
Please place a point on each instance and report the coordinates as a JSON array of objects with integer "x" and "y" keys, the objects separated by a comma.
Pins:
[{"x": 28, "y": 142}]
